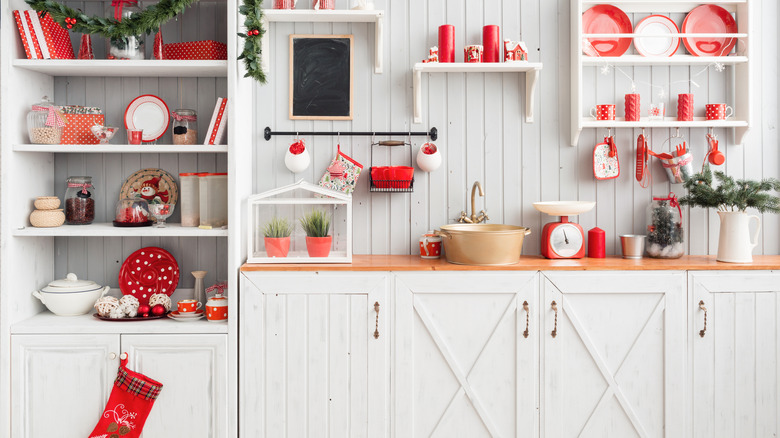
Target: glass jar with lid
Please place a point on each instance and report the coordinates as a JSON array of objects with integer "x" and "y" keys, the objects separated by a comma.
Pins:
[
  {"x": 665, "y": 237},
  {"x": 45, "y": 123},
  {"x": 185, "y": 126},
  {"x": 128, "y": 46},
  {"x": 79, "y": 200}
]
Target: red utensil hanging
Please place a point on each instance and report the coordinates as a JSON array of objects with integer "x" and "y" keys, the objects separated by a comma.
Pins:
[{"x": 642, "y": 159}]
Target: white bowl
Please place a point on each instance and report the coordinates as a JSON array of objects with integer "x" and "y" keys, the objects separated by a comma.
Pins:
[
  {"x": 70, "y": 296},
  {"x": 564, "y": 208}
]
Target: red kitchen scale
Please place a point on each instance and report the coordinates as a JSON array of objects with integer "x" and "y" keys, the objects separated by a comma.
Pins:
[{"x": 563, "y": 239}]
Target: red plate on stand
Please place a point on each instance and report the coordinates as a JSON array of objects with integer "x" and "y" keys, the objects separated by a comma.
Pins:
[
  {"x": 655, "y": 46},
  {"x": 709, "y": 19},
  {"x": 149, "y": 271},
  {"x": 150, "y": 113},
  {"x": 605, "y": 19}
]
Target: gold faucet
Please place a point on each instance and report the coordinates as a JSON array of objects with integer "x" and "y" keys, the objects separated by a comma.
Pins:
[{"x": 474, "y": 218}]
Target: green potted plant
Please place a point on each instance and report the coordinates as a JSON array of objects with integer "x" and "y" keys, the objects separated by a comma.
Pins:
[
  {"x": 277, "y": 237},
  {"x": 316, "y": 224},
  {"x": 731, "y": 198}
]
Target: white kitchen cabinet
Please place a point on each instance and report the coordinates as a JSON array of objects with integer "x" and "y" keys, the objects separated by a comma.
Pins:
[
  {"x": 61, "y": 383},
  {"x": 314, "y": 355},
  {"x": 463, "y": 366},
  {"x": 735, "y": 365},
  {"x": 613, "y": 354}
]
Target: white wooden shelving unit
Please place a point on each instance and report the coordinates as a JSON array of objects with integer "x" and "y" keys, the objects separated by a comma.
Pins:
[
  {"x": 28, "y": 254},
  {"x": 740, "y": 62},
  {"x": 326, "y": 16},
  {"x": 531, "y": 70}
]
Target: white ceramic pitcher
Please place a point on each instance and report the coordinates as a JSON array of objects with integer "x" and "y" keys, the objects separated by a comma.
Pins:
[{"x": 734, "y": 243}]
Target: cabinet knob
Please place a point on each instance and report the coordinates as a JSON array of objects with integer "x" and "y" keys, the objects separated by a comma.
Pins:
[
  {"x": 376, "y": 330},
  {"x": 112, "y": 356}
]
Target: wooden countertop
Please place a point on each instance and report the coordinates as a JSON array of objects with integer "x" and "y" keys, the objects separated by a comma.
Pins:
[{"x": 527, "y": 263}]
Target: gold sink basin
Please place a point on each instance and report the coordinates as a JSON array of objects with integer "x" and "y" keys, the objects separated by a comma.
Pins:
[{"x": 483, "y": 244}]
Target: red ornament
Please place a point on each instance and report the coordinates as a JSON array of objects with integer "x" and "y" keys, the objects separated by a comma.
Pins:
[
  {"x": 144, "y": 310},
  {"x": 158, "y": 309}
]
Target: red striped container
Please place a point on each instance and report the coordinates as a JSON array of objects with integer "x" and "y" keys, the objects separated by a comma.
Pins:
[
  {"x": 284, "y": 4},
  {"x": 633, "y": 108},
  {"x": 685, "y": 107}
]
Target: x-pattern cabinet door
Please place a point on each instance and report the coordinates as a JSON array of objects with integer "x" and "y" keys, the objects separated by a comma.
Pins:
[
  {"x": 736, "y": 357},
  {"x": 466, "y": 355},
  {"x": 613, "y": 354},
  {"x": 314, "y": 355}
]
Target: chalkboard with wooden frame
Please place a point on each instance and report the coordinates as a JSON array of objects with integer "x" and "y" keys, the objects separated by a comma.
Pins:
[{"x": 321, "y": 78}]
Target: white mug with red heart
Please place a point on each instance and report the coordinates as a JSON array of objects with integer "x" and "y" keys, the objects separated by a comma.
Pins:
[
  {"x": 603, "y": 112},
  {"x": 719, "y": 111}
]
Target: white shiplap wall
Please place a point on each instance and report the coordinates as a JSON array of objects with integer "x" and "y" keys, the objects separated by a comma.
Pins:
[{"x": 479, "y": 117}]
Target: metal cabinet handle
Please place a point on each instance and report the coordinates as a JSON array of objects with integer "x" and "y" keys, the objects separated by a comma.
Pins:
[
  {"x": 376, "y": 309},
  {"x": 554, "y": 306},
  {"x": 704, "y": 330},
  {"x": 527, "y": 318}
]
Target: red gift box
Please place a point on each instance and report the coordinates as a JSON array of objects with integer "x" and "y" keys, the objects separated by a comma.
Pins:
[
  {"x": 195, "y": 50},
  {"x": 57, "y": 39},
  {"x": 77, "y": 130},
  {"x": 24, "y": 33}
]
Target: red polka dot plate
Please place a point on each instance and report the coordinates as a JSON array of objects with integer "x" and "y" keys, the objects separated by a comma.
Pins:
[{"x": 149, "y": 271}]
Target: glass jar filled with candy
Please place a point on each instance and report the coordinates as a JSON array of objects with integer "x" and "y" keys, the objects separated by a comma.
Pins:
[
  {"x": 79, "y": 201},
  {"x": 665, "y": 238},
  {"x": 45, "y": 123},
  {"x": 185, "y": 126}
]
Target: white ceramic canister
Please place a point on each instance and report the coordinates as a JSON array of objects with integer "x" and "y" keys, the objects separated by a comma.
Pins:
[
  {"x": 70, "y": 296},
  {"x": 216, "y": 308}
]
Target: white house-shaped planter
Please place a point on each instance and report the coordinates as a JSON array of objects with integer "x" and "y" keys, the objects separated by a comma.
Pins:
[{"x": 292, "y": 202}]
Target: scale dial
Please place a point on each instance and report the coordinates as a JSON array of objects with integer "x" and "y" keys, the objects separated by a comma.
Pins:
[{"x": 566, "y": 240}]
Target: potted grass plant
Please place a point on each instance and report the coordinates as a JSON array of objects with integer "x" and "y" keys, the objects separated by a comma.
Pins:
[
  {"x": 277, "y": 237},
  {"x": 731, "y": 199},
  {"x": 316, "y": 224}
]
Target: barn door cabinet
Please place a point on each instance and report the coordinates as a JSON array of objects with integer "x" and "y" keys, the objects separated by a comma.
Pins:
[
  {"x": 465, "y": 354},
  {"x": 61, "y": 383},
  {"x": 733, "y": 335},
  {"x": 314, "y": 354}
]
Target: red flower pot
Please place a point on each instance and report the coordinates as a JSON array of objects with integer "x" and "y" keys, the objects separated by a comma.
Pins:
[
  {"x": 277, "y": 246},
  {"x": 318, "y": 246}
]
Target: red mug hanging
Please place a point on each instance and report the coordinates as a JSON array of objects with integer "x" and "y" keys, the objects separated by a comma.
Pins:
[{"x": 605, "y": 159}]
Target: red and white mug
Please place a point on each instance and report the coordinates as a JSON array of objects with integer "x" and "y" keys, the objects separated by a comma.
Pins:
[
  {"x": 187, "y": 306},
  {"x": 472, "y": 53},
  {"x": 430, "y": 246},
  {"x": 719, "y": 111},
  {"x": 603, "y": 112}
]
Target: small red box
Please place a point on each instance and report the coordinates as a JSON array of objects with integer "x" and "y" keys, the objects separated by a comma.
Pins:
[
  {"x": 78, "y": 131},
  {"x": 195, "y": 50}
]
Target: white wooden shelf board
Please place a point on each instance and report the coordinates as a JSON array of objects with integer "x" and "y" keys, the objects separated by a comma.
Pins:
[
  {"x": 655, "y": 60},
  {"x": 666, "y": 123},
  {"x": 109, "y": 230},
  {"x": 661, "y": 6},
  {"x": 326, "y": 16},
  {"x": 666, "y": 35},
  {"x": 49, "y": 323},
  {"x": 121, "y": 148},
  {"x": 125, "y": 68},
  {"x": 531, "y": 69}
]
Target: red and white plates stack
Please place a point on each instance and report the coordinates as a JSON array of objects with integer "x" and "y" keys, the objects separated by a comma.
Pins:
[{"x": 188, "y": 316}]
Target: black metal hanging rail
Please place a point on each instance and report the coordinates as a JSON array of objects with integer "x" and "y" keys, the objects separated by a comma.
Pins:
[{"x": 433, "y": 133}]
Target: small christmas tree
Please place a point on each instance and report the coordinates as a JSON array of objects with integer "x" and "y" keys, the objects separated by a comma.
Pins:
[
  {"x": 664, "y": 232},
  {"x": 731, "y": 195}
]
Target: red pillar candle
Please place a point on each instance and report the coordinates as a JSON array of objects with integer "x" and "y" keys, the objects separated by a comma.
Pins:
[
  {"x": 446, "y": 43},
  {"x": 685, "y": 107},
  {"x": 596, "y": 243},
  {"x": 633, "y": 108},
  {"x": 491, "y": 44}
]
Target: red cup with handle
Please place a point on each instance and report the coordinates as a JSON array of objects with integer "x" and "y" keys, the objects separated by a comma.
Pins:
[
  {"x": 719, "y": 111},
  {"x": 188, "y": 306},
  {"x": 430, "y": 246},
  {"x": 603, "y": 112}
]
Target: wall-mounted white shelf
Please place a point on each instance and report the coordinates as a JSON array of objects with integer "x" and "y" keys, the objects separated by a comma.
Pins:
[
  {"x": 108, "y": 229},
  {"x": 739, "y": 63},
  {"x": 49, "y": 323},
  {"x": 121, "y": 149},
  {"x": 326, "y": 16},
  {"x": 531, "y": 69},
  {"x": 127, "y": 68}
]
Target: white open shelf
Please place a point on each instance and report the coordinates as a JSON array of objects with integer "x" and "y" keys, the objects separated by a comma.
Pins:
[
  {"x": 121, "y": 148},
  {"x": 531, "y": 69},
  {"x": 49, "y": 323},
  {"x": 658, "y": 6},
  {"x": 668, "y": 122},
  {"x": 325, "y": 16},
  {"x": 125, "y": 68},
  {"x": 107, "y": 229},
  {"x": 656, "y": 60}
]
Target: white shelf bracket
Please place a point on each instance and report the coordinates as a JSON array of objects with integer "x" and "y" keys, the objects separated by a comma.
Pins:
[
  {"x": 531, "y": 78},
  {"x": 417, "y": 95},
  {"x": 378, "y": 43}
]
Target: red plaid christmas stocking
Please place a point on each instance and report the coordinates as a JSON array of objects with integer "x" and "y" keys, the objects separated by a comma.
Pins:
[{"x": 128, "y": 406}]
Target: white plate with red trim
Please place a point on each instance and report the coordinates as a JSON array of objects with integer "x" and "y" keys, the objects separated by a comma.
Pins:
[
  {"x": 657, "y": 46},
  {"x": 150, "y": 113}
]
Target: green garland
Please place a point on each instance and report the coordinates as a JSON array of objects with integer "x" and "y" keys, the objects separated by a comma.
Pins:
[
  {"x": 145, "y": 22},
  {"x": 252, "y": 53}
]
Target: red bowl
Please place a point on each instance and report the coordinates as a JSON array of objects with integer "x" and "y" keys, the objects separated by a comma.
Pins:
[
  {"x": 402, "y": 176},
  {"x": 380, "y": 175}
]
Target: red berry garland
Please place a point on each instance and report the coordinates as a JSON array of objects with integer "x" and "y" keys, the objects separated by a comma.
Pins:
[{"x": 70, "y": 22}]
